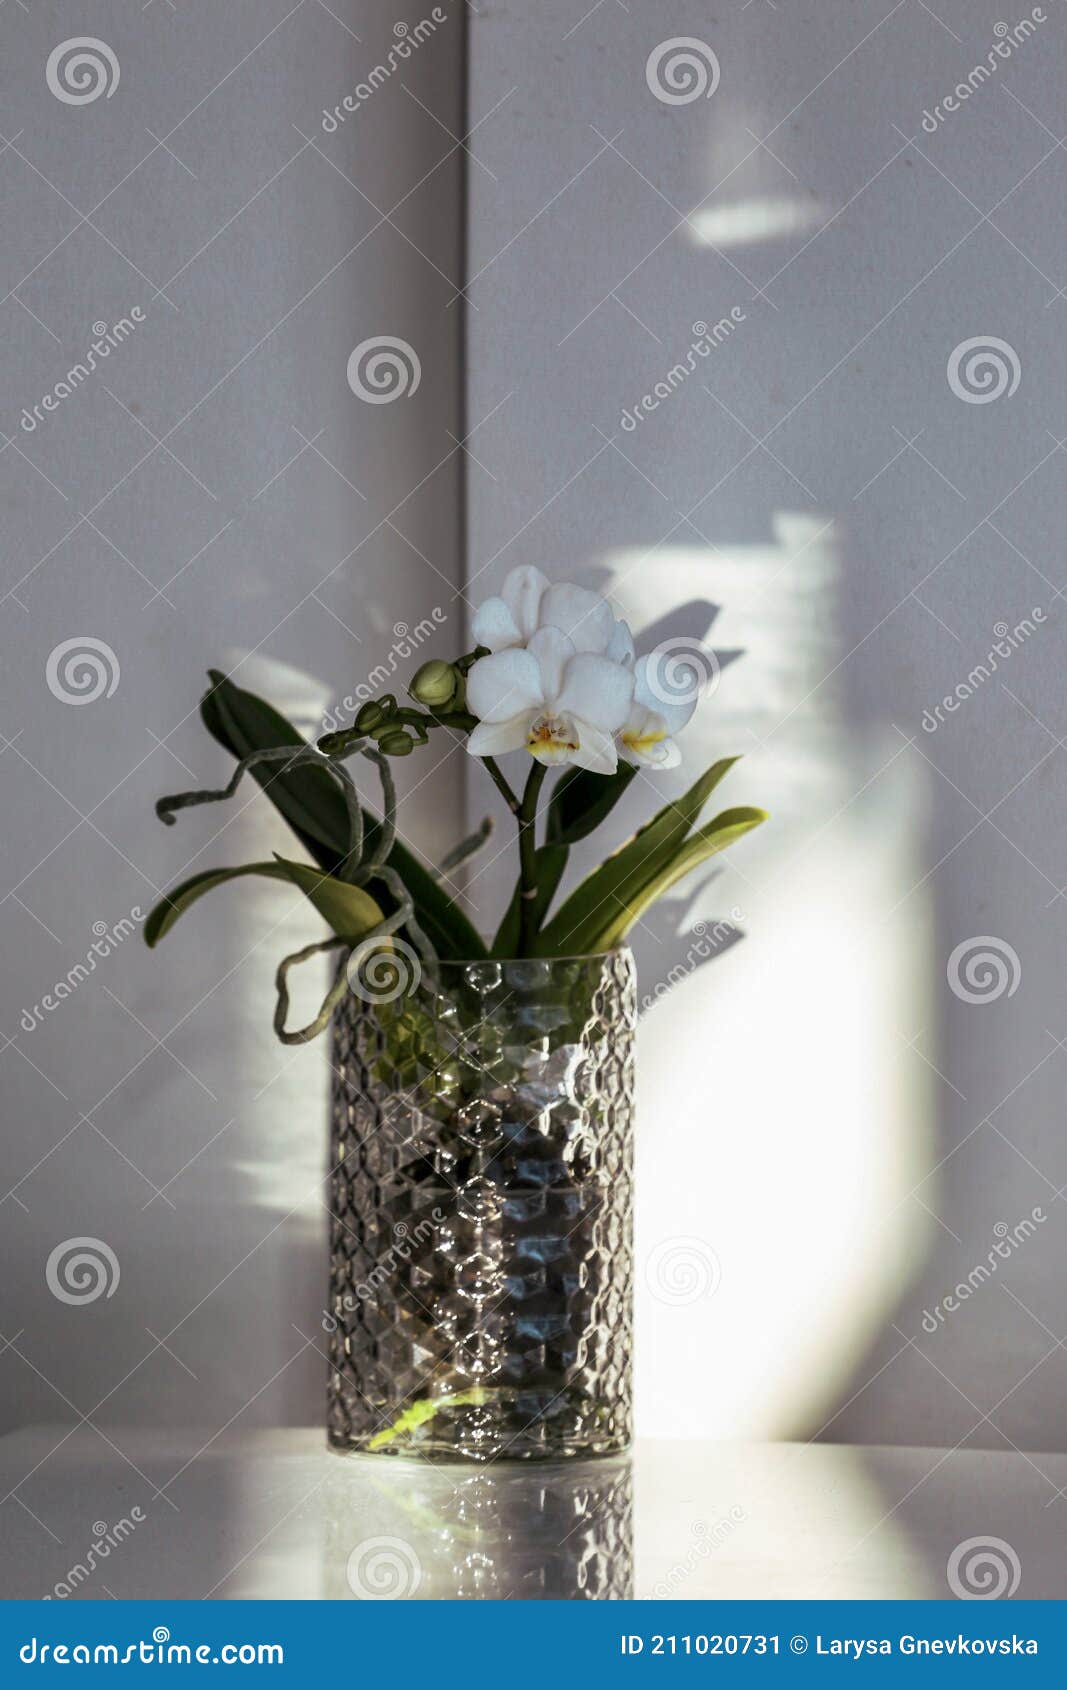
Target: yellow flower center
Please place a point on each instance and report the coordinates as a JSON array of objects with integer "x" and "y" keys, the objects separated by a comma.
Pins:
[{"x": 552, "y": 739}]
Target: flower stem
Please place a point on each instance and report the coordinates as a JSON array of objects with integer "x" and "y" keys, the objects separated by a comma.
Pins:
[
  {"x": 528, "y": 858},
  {"x": 501, "y": 784}
]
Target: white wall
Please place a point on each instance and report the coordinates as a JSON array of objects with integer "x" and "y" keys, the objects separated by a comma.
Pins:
[
  {"x": 836, "y": 1138},
  {"x": 214, "y": 494}
]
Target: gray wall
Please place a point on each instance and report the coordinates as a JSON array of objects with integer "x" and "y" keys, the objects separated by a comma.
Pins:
[
  {"x": 832, "y": 1138},
  {"x": 214, "y": 493}
]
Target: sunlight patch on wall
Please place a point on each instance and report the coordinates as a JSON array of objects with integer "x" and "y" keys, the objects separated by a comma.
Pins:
[{"x": 782, "y": 1119}]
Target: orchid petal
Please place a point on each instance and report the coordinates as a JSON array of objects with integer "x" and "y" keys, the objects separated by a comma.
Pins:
[
  {"x": 596, "y": 750},
  {"x": 503, "y": 685},
  {"x": 621, "y": 644},
  {"x": 494, "y": 626},
  {"x": 594, "y": 691},
  {"x": 522, "y": 592},
  {"x": 553, "y": 651},
  {"x": 676, "y": 712},
  {"x": 492, "y": 739},
  {"x": 584, "y": 616}
]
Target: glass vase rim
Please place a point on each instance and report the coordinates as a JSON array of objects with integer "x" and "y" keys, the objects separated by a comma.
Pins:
[{"x": 501, "y": 961}]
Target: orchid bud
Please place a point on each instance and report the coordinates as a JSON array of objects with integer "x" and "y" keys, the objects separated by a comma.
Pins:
[
  {"x": 370, "y": 716},
  {"x": 397, "y": 743},
  {"x": 434, "y": 684}
]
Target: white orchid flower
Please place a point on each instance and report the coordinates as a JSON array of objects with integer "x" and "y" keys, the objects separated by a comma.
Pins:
[
  {"x": 528, "y": 601},
  {"x": 647, "y": 733},
  {"x": 562, "y": 703}
]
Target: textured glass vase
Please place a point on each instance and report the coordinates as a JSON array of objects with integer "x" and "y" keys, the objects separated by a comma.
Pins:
[{"x": 481, "y": 1258}]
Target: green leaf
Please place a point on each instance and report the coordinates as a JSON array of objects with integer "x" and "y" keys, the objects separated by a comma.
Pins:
[
  {"x": 311, "y": 802},
  {"x": 611, "y": 887},
  {"x": 349, "y": 910},
  {"x": 176, "y": 902},
  {"x": 550, "y": 864},
  {"x": 580, "y": 801},
  {"x": 707, "y": 842},
  {"x": 309, "y": 799}
]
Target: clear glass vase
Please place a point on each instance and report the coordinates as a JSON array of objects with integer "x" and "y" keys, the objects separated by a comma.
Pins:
[{"x": 481, "y": 1256}]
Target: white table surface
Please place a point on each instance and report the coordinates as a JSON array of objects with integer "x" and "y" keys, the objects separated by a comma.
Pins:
[{"x": 272, "y": 1514}]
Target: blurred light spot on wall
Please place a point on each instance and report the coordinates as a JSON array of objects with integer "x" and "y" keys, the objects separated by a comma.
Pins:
[{"x": 761, "y": 218}]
